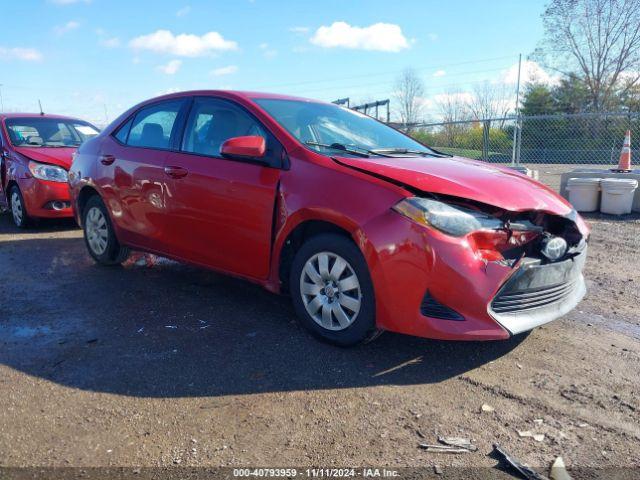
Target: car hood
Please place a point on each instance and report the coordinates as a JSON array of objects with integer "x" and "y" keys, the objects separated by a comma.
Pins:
[
  {"x": 465, "y": 178},
  {"x": 55, "y": 156}
]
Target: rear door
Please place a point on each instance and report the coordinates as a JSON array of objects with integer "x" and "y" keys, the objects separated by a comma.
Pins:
[
  {"x": 134, "y": 183},
  {"x": 221, "y": 210}
]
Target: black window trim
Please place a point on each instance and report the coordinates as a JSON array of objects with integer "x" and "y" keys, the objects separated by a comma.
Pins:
[
  {"x": 180, "y": 126},
  {"x": 283, "y": 162},
  {"x": 186, "y": 102}
]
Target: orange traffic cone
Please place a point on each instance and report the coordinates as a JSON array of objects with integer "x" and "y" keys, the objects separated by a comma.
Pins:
[{"x": 625, "y": 156}]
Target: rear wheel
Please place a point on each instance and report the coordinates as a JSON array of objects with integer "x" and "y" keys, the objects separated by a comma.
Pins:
[
  {"x": 18, "y": 209},
  {"x": 99, "y": 236},
  {"x": 332, "y": 290}
]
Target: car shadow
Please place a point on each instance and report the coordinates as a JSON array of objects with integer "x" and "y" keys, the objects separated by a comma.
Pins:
[
  {"x": 172, "y": 330},
  {"x": 44, "y": 225}
]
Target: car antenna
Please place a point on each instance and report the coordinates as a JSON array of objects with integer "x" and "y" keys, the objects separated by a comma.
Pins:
[{"x": 40, "y": 104}]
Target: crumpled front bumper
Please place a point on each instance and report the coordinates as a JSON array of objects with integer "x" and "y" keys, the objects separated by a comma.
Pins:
[
  {"x": 410, "y": 263},
  {"x": 537, "y": 294}
]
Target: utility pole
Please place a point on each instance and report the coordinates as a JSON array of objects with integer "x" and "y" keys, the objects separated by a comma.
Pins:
[{"x": 516, "y": 127}]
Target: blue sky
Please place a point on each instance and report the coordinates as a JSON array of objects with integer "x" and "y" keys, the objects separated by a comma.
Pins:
[{"x": 82, "y": 57}]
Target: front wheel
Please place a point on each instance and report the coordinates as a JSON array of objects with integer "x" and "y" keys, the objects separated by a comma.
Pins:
[
  {"x": 99, "y": 236},
  {"x": 332, "y": 290},
  {"x": 18, "y": 209}
]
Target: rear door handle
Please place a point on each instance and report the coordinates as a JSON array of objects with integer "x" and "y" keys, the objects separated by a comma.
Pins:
[
  {"x": 176, "y": 172},
  {"x": 107, "y": 159}
]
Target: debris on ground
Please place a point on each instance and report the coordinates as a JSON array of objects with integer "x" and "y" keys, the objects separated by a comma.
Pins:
[
  {"x": 487, "y": 408},
  {"x": 437, "y": 470},
  {"x": 526, "y": 472},
  {"x": 538, "y": 437},
  {"x": 442, "y": 448},
  {"x": 171, "y": 326},
  {"x": 458, "y": 442},
  {"x": 559, "y": 470},
  {"x": 450, "y": 445},
  {"x": 140, "y": 259}
]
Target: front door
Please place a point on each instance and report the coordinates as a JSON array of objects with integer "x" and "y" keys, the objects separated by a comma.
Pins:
[{"x": 220, "y": 211}]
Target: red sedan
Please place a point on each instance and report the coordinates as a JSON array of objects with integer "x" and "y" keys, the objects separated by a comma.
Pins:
[
  {"x": 367, "y": 229},
  {"x": 35, "y": 155}
]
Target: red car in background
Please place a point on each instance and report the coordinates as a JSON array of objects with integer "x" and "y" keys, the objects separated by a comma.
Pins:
[
  {"x": 367, "y": 229},
  {"x": 35, "y": 154}
]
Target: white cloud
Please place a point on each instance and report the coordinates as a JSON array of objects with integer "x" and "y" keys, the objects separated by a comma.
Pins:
[
  {"x": 531, "y": 72},
  {"x": 299, "y": 30},
  {"x": 383, "y": 37},
  {"x": 171, "y": 68},
  {"x": 19, "y": 53},
  {"x": 266, "y": 51},
  {"x": 183, "y": 11},
  {"x": 439, "y": 73},
  {"x": 67, "y": 27},
  {"x": 228, "y": 70},
  {"x": 112, "y": 42},
  {"x": 184, "y": 44}
]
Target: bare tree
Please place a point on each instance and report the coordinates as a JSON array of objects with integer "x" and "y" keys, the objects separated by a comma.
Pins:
[
  {"x": 600, "y": 39},
  {"x": 490, "y": 101},
  {"x": 408, "y": 94},
  {"x": 453, "y": 107}
]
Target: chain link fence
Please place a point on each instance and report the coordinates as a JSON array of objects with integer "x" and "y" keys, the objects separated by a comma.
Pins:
[{"x": 558, "y": 140}]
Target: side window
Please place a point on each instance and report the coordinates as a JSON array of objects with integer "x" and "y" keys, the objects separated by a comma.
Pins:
[
  {"x": 153, "y": 125},
  {"x": 212, "y": 121},
  {"x": 123, "y": 132}
]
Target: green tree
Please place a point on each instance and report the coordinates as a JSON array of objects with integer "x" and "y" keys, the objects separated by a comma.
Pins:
[
  {"x": 571, "y": 95},
  {"x": 597, "y": 39},
  {"x": 538, "y": 100}
]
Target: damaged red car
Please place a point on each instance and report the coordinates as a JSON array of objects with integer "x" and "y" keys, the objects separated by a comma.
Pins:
[
  {"x": 366, "y": 229},
  {"x": 35, "y": 155}
]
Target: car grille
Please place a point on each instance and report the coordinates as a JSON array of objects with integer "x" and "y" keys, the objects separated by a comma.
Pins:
[{"x": 519, "y": 300}]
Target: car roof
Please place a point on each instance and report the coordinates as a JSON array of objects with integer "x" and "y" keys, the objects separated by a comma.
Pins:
[
  {"x": 246, "y": 95},
  {"x": 36, "y": 115}
]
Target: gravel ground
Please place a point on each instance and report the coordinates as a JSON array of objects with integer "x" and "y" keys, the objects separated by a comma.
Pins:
[{"x": 174, "y": 366}]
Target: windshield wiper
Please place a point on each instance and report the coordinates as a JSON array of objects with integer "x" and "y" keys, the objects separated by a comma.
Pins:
[
  {"x": 339, "y": 146},
  {"x": 404, "y": 151}
]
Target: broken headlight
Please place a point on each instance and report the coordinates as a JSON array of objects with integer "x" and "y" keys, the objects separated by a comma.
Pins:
[{"x": 450, "y": 219}]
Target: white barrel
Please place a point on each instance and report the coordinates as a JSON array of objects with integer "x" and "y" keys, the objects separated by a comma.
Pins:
[
  {"x": 617, "y": 195},
  {"x": 584, "y": 193}
]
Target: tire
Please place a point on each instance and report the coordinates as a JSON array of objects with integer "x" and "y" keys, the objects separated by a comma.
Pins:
[
  {"x": 18, "y": 210},
  {"x": 340, "y": 293},
  {"x": 99, "y": 236}
]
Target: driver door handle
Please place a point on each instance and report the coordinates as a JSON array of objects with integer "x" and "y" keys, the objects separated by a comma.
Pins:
[
  {"x": 107, "y": 159},
  {"x": 176, "y": 172}
]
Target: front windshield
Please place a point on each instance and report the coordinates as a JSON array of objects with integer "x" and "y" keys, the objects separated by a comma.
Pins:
[
  {"x": 321, "y": 126},
  {"x": 48, "y": 132}
]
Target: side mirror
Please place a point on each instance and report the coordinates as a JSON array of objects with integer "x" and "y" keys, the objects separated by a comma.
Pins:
[{"x": 244, "y": 147}]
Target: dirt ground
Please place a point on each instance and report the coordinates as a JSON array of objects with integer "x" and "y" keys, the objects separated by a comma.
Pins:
[{"x": 174, "y": 366}]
